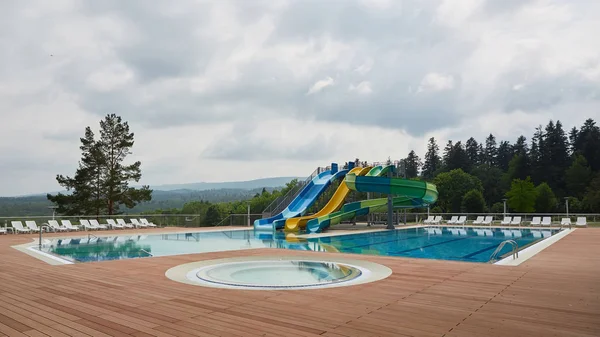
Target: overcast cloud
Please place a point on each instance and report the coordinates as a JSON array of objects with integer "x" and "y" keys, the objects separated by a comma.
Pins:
[{"x": 235, "y": 90}]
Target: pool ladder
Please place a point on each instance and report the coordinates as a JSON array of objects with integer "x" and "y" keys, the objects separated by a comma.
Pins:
[{"x": 515, "y": 249}]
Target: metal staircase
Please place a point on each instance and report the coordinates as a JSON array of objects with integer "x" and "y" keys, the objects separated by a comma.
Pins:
[{"x": 279, "y": 204}]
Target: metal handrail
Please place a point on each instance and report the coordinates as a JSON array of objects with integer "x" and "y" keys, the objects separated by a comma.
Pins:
[
  {"x": 515, "y": 249},
  {"x": 145, "y": 251},
  {"x": 280, "y": 203}
]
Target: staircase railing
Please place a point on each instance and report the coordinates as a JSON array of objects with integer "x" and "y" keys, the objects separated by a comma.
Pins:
[{"x": 280, "y": 203}]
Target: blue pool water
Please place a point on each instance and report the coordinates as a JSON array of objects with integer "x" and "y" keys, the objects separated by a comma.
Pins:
[{"x": 460, "y": 244}]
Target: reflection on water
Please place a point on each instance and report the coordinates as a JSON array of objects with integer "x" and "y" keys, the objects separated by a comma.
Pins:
[{"x": 459, "y": 243}]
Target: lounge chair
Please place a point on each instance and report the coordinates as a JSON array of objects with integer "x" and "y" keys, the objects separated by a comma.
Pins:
[
  {"x": 536, "y": 221},
  {"x": 516, "y": 221},
  {"x": 124, "y": 224},
  {"x": 55, "y": 226},
  {"x": 95, "y": 223},
  {"x": 437, "y": 220},
  {"x": 113, "y": 224},
  {"x": 86, "y": 225},
  {"x": 138, "y": 224},
  {"x": 479, "y": 220},
  {"x": 488, "y": 220},
  {"x": 2, "y": 230},
  {"x": 149, "y": 224},
  {"x": 565, "y": 222},
  {"x": 426, "y": 221},
  {"x": 67, "y": 224},
  {"x": 506, "y": 221},
  {"x": 452, "y": 220},
  {"x": 581, "y": 221},
  {"x": 18, "y": 227},
  {"x": 461, "y": 220},
  {"x": 32, "y": 225},
  {"x": 546, "y": 221}
]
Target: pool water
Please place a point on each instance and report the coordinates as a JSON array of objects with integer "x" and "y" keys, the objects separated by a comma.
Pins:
[{"x": 447, "y": 243}]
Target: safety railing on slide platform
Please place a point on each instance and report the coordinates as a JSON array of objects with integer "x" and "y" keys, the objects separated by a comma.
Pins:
[{"x": 282, "y": 202}]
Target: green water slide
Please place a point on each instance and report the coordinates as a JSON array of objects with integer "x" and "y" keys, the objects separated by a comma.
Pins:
[{"x": 408, "y": 194}]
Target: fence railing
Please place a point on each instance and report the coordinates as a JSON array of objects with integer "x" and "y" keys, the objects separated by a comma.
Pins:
[
  {"x": 162, "y": 220},
  {"x": 399, "y": 216}
]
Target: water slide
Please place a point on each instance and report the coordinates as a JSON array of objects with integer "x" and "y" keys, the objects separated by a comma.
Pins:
[
  {"x": 303, "y": 201},
  {"x": 409, "y": 194},
  {"x": 334, "y": 204}
]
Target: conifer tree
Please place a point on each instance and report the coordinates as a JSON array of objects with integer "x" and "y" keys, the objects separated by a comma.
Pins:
[
  {"x": 412, "y": 164},
  {"x": 505, "y": 153},
  {"x": 101, "y": 182},
  {"x": 432, "y": 159},
  {"x": 472, "y": 149},
  {"x": 491, "y": 151}
]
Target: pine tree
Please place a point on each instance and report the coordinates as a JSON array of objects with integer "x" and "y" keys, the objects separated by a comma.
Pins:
[
  {"x": 432, "y": 159},
  {"x": 505, "y": 154},
  {"x": 587, "y": 143},
  {"x": 412, "y": 164},
  {"x": 447, "y": 154},
  {"x": 101, "y": 183},
  {"x": 556, "y": 157},
  {"x": 455, "y": 157},
  {"x": 472, "y": 149},
  {"x": 536, "y": 161},
  {"x": 520, "y": 147},
  {"x": 491, "y": 151}
]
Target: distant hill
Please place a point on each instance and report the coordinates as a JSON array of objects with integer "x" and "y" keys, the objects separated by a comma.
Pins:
[
  {"x": 245, "y": 185},
  {"x": 163, "y": 196}
]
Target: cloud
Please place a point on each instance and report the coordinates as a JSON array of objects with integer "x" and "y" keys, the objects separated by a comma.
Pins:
[
  {"x": 290, "y": 83},
  {"x": 363, "y": 88},
  {"x": 436, "y": 82},
  {"x": 320, "y": 85}
]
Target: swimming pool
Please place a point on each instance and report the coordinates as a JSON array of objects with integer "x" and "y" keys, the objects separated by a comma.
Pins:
[{"x": 447, "y": 243}]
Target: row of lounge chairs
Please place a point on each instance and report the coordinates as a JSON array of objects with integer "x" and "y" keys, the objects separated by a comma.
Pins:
[
  {"x": 67, "y": 226},
  {"x": 507, "y": 221}
]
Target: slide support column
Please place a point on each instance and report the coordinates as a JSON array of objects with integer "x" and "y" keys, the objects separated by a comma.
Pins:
[{"x": 390, "y": 209}]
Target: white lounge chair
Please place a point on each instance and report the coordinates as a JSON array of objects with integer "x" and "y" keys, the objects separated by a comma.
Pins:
[
  {"x": 488, "y": 220},
  {"x": 426, "y": 221},
  {"x": 124, "y": 224},
  {"x": 113, "y": 224},
  {"x": 18, "y": 227},
  {"x": 581, "y": 221},
  {"x": 461, "y": 220},
  {"x": 437, "y": 220},
  {"x": 138, "y": 224},
  {"x": 546, "y": 221},
  {"x": 516, "y": 221},
  {"x": 95, "y": 223},
  {"x": 536, "y": 221},
  {"x": 53, "y": 224},
  {"x": 149, "y": 224},
  {"x": 479, "y": 220},
  {"x": 506, "y": 221},
  {"x": 3, "y": 230},
  {"x": 565, "y": 222},
  {"x": 32, "y": 225},
  {"x": 452, "y": 220},
  {"x": 67, "y": 224},
  {"x": 86, "y": 225}
]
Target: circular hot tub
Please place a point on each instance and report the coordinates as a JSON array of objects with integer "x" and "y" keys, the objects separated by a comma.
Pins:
[{"x": 277, "y": 273}]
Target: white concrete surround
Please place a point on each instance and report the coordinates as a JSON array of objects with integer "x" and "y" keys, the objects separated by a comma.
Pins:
[
  {"x": 532, "y": 250},
  {"x": 187, "y": 273}
]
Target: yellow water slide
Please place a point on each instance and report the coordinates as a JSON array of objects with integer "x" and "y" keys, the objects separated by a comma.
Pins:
[{"x": 334, "y": 204}]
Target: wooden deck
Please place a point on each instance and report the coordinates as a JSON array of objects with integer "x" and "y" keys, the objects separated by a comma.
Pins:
[{"x": 555, "y": 293}]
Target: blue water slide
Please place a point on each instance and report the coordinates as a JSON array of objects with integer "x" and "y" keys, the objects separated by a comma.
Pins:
[{"x": 306, "y": 198}]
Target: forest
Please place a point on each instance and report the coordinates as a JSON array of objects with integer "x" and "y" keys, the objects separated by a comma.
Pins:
[{"x": 535, "y": 175}]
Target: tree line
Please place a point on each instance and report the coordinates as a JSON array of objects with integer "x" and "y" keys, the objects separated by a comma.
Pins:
[{"x": 534, "y": 176}]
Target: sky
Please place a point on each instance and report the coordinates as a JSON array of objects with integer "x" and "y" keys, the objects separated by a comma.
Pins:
[{"x": 235, "y": 90}]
